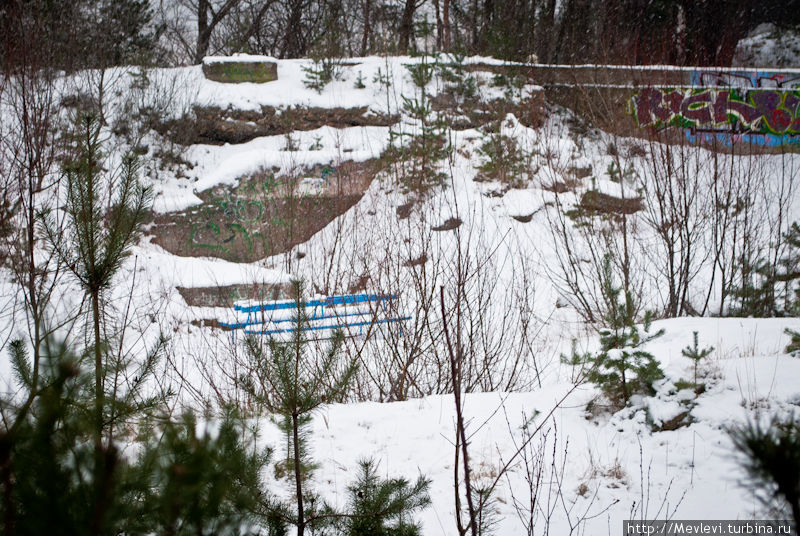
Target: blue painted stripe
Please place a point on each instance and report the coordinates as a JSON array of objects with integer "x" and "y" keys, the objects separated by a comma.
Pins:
[
  {"x": 332, "y": 326},
  {"x": 280, "y": 320},
  {"x": 349, "y": 299}
]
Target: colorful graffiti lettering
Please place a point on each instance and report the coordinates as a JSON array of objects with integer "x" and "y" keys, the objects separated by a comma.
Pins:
[
  {"x": 745, "y": 79},
  {"x": 773, "y": 114}
]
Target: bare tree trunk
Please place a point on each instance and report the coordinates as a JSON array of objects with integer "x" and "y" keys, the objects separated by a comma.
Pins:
[
  {"x": 9, "y": 511},
  {"x": 298, "y": 477},
  {"x": 546, "y": 33},
  {"x": 456, "y": 359},
  {"x": 27, "y": 158},
  {"x": 439, "y": 33},
  {"x": 101, "y": 475},
  {"x": 203, "y": 35},
  {"x": 367, "y": 28},
  {"x": 292, "y": 47},
  {"x": 205, "y": 27},
  {"x": 98, "y": 371},
  {"x": 446, "y": 24},
  {"x": 406, "y": 26}
]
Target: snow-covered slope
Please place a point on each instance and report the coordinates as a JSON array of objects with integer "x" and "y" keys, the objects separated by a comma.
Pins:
[
  {"x": 595, "y": 466},
  {"x": 767, "y": 46}
]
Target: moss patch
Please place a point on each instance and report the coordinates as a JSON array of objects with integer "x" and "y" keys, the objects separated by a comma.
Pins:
[{"x": 235, "y": 72}]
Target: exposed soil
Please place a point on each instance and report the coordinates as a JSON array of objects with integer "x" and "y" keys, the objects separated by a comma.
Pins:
[
  {"x": 561, "y": 187},
  {"x": 359, "y": 285},
  {"x": 217, "y": 126},
  {"x": 600, "y": 203},
  {"x": 422, "y": 259},
  {"x": 680, "y": 420},
  {"x": 580, "y": 172},
  {"x": 475, "y": 112},
  {"x": 448, "y": 225},
  {"x": 404, "y": 211}
]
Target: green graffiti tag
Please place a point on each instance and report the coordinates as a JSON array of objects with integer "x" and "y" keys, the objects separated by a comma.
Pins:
[{"x": 240, "y": 220}]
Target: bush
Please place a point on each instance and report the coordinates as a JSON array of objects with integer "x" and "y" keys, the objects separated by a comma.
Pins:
[
  {"x": 292, "y": 382},
  {"x": 179, "y": 483},
  {"x": 321, "y": 73},
  {"x": 793, "y": 347},
  {"x": 208, "y": 483},
  {"x": 767, "y": 288}
]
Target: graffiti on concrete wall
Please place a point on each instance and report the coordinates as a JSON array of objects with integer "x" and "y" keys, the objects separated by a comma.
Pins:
[
  {"x": 745, "y": 79},
  {"x": 232, "y": 222},
  {"x": 762, "y": 116},
  {"x": 726, "y": 106}
]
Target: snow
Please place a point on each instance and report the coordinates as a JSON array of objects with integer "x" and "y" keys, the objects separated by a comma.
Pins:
[
  {"x": 768, "y": 47},
  {"x": 239, "y": 58},
  {"x": 519, "y": 202},
  {"x": 226, "y": 164},
  {"x": 606, "y": 463},
  {"x": 198, "y": 272},
  {"x": 693, "y": 469}
]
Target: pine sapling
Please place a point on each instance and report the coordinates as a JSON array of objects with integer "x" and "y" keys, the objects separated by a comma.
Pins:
[
  {"x": 359, "y": 83},
  {"x": 772, "y": 461},
  {"x": 793, "y": 348},
  {"x": 384, "y": 507},
  {"x": 292, "y": 382},
  {"x": 695, "y": 354},
  {"x": 621, "y": 368}
]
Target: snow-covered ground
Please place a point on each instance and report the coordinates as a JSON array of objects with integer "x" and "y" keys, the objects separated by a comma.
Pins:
[
  {"x": 768, "y": 46},
  {"x": 596, "y": 466},
  {"x": 597, "y": 469}
]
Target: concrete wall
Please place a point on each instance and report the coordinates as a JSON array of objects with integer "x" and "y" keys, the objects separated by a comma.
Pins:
[{"x": 703, "y": 105}]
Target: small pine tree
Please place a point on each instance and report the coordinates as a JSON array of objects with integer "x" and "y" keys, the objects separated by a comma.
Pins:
[
  {"x": 772, "y": 461},
  {"x": 286, "y": 380},
  {"x": 695, "y": 354},
  {"x": 769, "y": 289},
  {"x": 207, "y": 483},
  {"x": 179, "y": 483},
  {"x": 793, "y": 347},
  {"x": 790, "y": 264},
  {"x": 755, "y": 295},
  {"x": 359, "y": 83},
  {"x": 621, "y": 368},
  {"x": 505, "y": 161},
  {"x": 457, "y": 81},
  {"x": 417, "y": 152},
  {"x": 52, "y": 483},
  {"x": 486, "y": 517},
  {"x": 321, "y": 73},
  {"x": 383, "y": 507},
  {"x": 104, "y": 217}
]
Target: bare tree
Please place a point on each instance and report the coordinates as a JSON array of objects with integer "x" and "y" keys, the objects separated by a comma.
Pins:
[
  {"x": 406, "y": 28},
  {"x": 28, "y": 160}
]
